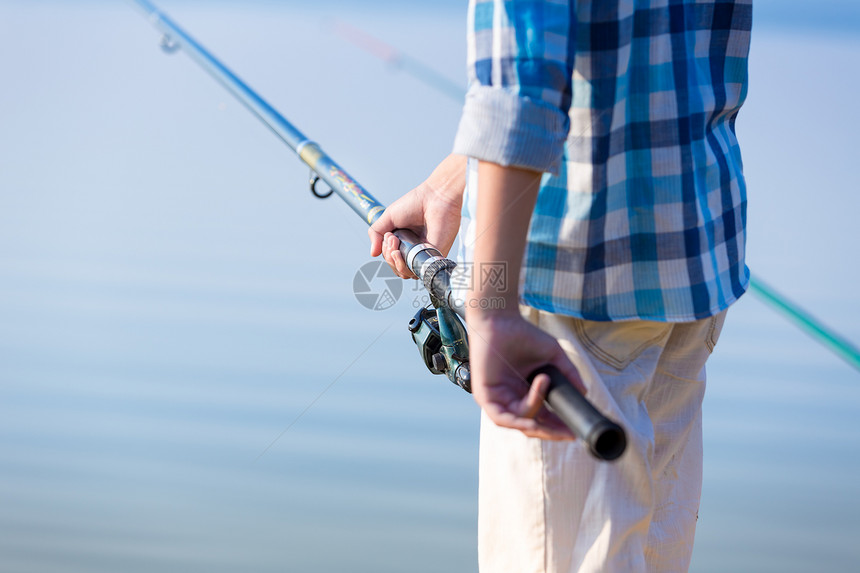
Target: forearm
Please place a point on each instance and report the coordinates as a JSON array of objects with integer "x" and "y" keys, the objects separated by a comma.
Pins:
[
  {"x": 506, "y": 199},
  {"x": 448, "y": 179},
  {"x": 503, "y": 347}
]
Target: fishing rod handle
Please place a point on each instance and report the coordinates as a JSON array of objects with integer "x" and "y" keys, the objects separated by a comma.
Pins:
[
  {"x": 432, "y": 268},
  {"x": 605, "y": 439}
]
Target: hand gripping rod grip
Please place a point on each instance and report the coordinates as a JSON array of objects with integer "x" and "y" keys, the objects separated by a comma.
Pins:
[{"x": 605, "y": 439}]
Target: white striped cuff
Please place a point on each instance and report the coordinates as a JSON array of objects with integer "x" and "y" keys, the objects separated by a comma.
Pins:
[{"x": 511, "y": 130}]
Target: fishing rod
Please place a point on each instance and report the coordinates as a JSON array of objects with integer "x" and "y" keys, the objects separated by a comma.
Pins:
[
  {"x": 805, "y": 321},
  {"x": 437, "y": 330}
]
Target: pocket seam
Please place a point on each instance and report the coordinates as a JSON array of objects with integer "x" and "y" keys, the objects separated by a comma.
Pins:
[{"x": 709, "y": 339}]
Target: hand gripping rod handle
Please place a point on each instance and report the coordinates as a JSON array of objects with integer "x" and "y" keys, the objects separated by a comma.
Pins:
[{"x": 605, "y": 439}]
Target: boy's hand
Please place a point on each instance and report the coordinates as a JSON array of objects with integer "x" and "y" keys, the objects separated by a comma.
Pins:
[
  {"x": 504, "y": 349},
  {"x": 431, "y": 211}
]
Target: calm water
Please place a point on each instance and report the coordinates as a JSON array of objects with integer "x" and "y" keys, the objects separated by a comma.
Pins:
[{"x": 186, "y": 382}]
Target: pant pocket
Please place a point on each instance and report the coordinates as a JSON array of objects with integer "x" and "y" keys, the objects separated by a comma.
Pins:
[{"x": 620, "y": 343}]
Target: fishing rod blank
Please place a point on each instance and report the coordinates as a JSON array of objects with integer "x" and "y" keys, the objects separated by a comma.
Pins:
[
  {"x": 175, "y": 38},
  {"x": 605, "y": 439}
]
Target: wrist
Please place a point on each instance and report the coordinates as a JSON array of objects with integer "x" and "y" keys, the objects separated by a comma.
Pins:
[{"x": 448, "y": 180}]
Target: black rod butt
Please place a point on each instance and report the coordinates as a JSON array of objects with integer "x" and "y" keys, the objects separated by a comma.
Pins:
[{"x": 606, "y": 440}]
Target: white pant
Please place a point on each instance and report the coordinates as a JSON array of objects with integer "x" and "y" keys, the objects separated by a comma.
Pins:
[{"x": 549, "y": 507}]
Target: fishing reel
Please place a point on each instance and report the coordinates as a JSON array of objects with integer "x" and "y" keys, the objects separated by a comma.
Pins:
[{"x": 442, "y": 343}]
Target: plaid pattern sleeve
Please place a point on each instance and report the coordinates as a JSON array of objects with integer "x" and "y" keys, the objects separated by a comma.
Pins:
[
  {"x": 643, "y": 215},
  {"x": 520, "y": 65}
]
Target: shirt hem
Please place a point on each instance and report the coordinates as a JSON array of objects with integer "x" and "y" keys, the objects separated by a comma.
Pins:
[{"x": 713, "y": 311}]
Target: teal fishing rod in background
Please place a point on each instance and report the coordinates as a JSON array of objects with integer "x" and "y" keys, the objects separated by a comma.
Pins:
[
  {"x": 438, "y": 331},
  {"x": 812, "y": 326}
]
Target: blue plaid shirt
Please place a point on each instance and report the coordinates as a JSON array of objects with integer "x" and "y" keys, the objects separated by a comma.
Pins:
[{"x": 630, "y": 107}]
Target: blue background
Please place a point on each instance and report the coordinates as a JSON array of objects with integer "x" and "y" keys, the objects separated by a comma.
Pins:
[{"x": 187, "y": 382}]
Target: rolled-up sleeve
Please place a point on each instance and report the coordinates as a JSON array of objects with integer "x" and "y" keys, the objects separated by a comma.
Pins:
[{"x": 520, "y": 60}]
